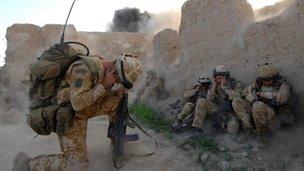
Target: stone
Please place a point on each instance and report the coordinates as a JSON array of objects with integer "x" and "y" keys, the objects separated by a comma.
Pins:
[
  {"x": 204, "y": 158},
  {"x": 187, "y": 147},
  {"x": 222, "y": 149},
  {"x": 256, "y": 149},
  {"x": 244, "y": 154},
  {"x": 224, "y": 165}
]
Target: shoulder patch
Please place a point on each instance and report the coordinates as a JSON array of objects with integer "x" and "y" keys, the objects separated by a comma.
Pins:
[{"x": 78, "y": 83}]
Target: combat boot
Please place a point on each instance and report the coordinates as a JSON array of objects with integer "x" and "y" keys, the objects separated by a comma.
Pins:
[
  {"x": 21, "y": 162},
  {"x": 196, "y": 130},
  {"x": 176, "y": 126}
]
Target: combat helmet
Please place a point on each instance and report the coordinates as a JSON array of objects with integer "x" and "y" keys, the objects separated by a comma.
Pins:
[
  {"x": 129, "y": 69},
  {"x": 204, "y": 81},
  {"x": 221, "y": 70},
  {"x": 267, "y": 71}
]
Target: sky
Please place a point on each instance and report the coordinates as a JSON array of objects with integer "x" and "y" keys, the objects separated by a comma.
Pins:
[{"x": 87, "y": 15}]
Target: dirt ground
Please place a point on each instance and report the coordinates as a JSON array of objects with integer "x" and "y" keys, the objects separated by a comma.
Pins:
[
  {"x": 284, "y": 150},
  {"x": 19, "y": 137}
]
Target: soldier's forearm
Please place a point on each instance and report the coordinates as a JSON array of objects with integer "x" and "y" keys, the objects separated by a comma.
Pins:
[
  {"x": 87, "y": 98},
  {"x": 268, "y": 95}
]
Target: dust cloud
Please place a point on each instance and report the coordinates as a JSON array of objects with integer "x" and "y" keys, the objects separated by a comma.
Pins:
[
  {"x": 273, "y": 10},
  {"x": 133, "y": 20}
]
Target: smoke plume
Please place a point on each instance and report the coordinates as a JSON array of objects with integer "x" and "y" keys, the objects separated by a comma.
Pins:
[
  {"x": 133, "y": 20},
  {"x": 129, "y": 20}
]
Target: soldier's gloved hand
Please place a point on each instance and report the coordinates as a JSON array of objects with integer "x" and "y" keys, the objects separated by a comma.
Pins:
[
  {"x": 109, "y": 79},
  {"x": 121, "y": 91},
  {"x": 214, "y": 85},
  {"x": 251, "y": 98},
  {"x": 255, "y": 84},
  {"x": 267, "y": 95},
  {"x": 224, "y": 82}
]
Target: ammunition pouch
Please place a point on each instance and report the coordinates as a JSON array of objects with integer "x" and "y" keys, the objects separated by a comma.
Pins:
[{"x": 46, "y": 118}]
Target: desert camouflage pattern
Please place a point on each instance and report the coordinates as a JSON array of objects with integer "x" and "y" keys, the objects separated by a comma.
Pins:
[
  {"x": 190, "y": 99},
  {"x": 243, "y": 111},
  {"x": 208, "y": 106},
  {"x": 88, "y": 102},
  {"x": 203, "y": 108},
  {"x": 154, "y": 89},
  {"x": 150, "y": 77},
  {"x": 263, "y": 113},
  {"x": 187, "y": 110}
]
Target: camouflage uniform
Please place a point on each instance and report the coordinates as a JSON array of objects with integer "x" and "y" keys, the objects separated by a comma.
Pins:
[
  {"x": 154, "y": 90},
  {"x": 150, "y": 77},
  {"x": 264, "y": 111},
  {"x": 190, "y": 99},
  {"x": 209, "y": 105},
  {"x": 89, "y": 99}
]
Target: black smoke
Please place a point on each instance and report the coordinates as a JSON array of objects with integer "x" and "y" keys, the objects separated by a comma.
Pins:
[{"x": 129, "y": 20}]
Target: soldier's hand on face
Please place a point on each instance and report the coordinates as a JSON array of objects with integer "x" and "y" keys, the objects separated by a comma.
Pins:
[
  {"x": 267, "y": 95},
  {"x": 109, "y": 79},
  {"x": 121, "y": 91},
  {"x": 215, "y": 82},
  {"x": 224, "y": 82},
  {"x": 254, "y": 84}
]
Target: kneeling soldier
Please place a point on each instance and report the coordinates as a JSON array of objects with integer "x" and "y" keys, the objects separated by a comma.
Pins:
[{"x": 89, "y": 96}]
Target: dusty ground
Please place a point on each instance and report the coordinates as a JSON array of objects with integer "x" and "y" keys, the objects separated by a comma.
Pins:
[
  {"x": 15, "y": 138},
  {"x": 284, "y": 150}
]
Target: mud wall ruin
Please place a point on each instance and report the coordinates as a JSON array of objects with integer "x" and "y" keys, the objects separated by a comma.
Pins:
[{"x": 226, "y": 32}]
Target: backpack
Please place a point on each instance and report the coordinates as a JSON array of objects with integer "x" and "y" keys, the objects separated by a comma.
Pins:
[{"x": 45, "y": 115}]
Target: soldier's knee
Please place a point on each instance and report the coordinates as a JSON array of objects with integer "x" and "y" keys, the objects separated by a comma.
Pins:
[
  {"x": 237, "y": 102},
  {"x": 258, "y": 106},
  {"x": 189, "y": 105},
  {"x": 202, "y": 103}
]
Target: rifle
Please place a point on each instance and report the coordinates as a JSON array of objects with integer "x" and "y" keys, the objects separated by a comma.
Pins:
[
  {"x": 219, "y": 116},
  {"x": 118, "y": 134},
  {"x": 187, "y": 121}
]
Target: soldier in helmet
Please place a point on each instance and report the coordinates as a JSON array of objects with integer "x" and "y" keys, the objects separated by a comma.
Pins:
[
  {"x": 150, "y": 78},
  {"x": 154, "y": 90},
  {"x": 267, "y": 96},
  {"x": 219, "y": 97},
  {"x": 189, "y": 101},
  {"x": 89, "y": 97}
]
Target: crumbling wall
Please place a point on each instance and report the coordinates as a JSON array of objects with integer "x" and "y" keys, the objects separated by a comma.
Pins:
[
  {"x": 25, "y": 42},
  {"x": 214, "y": 32},
  {"x": 167, "y": 48}
]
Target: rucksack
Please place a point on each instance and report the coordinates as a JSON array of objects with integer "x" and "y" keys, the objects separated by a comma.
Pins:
[{"x": 45, "y": 115}]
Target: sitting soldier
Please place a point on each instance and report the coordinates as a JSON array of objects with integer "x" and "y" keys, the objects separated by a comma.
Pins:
[
  {"x": 219, "y": 98},
  {"x": 267, "y": 96},
  {"x": 189, "y": 101}
]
